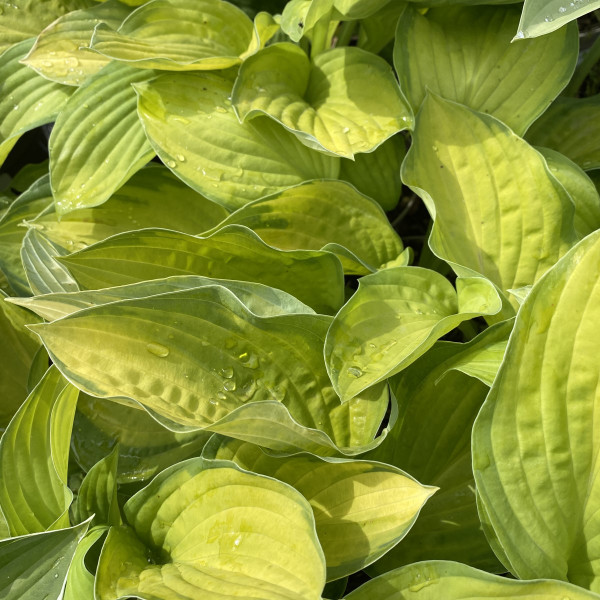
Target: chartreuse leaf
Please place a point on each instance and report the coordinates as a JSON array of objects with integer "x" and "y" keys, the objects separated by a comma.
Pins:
[
  {"x": 580, "y": 187},
  {"x": 142, "y": 202},
  {"x": 17, "y": 354},
  {"x": 437, "y": 406},
  {"x": 207, "y": 528},
  {"x": 145, "y": 446},
  {"x": 61, "y": 53},
  {"x": 34, "y": 453},
  {"x": 498, "y": 209},
  {"x": 27, "y": 206},
  {"x": 571, "y": 126},
  {"x": 27, "y": 100},
  {"x": 396, "y": 316},
  {"x": 453, "y": 581},
  {"x": 189, "y": 120},
  {"x": 377, "y": 174},
  {"x": 235, "y": 252},
  {"x": 378, "y": 30},
  {"x": 260, "y": 299},
  {"x": 44, "y": 273},
  {"x": 98, "y": 142},
  {"x": 179, "y": 35},
  {"x": 323, "y": 215},
  {"x": 362, "y": 508},
  {"x": 97, "y": 497},
  {"x": 195, "y": 356},
  {"x": 464, "y": 54},
  {"x": 534, "y": 441},
  {"x": 327, "y": 103},
  {"x": 80, "y": 582},
  {"x": 540, "y": 17},
  {"x": 35, "y": 566},
  {"x": 358, "y": 9},
  {"x": 23, "y": 19},
  {"x": 299, "y": 17}
]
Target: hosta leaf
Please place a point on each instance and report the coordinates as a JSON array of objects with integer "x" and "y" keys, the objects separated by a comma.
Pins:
[
  {"x": 189, "y": 121},
  {"x": 571, "y": 126},
  {"x": 80, "y": 582},
  {"x": 358, "y": 9},
  {"x": 534, "y": 441},
  {"x": 377, "y": 174},
  {"x": 378, "y": 30},
  {"x": 432, "y": 441},
  {"x": 218, "y": 531},
  {"x": 580, "y": 187},
  {"x": 195, "y": 356},
  {"x": 98, "y": 142},
  {"x": 498, "y": 209},
  {"x": 260, "y": 299},
  {"x": 362, "y": 508},
  {"x": 35, "y": 566},
  {"x": 299, "y": 17},
  {"x": 315, "y": 278},
  {"x": 464, "y": 54},
  {"x": 17, "y": 354},
  {"x": 395, "y": 316},
  {"x": 60, "y": 52},
  {"x": 453, "y": 581},
  {"x": 145, "y": 446},
  {"x": 27, "y": 100},
  {"x": 28, "y": 175},
  {"x": 34, "y": 453},
  {"x": 27, "y": 206},
  {"x": 179, "y": 35},
  {"x": 541, "y": 17},
  {"x": 44, "y": 273},
  {"x": 315, "y": 214},
  {"x": 97, "y": 496},
  {"x": 23, "y": 19},
  {"x": 153, "y": 197},
  {"x": 326, "y": 103}
]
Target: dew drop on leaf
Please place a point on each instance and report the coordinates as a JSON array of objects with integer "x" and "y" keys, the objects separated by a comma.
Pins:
[
  {"x": 157, "y": 349},
  {"x": 355, "y": 372}
]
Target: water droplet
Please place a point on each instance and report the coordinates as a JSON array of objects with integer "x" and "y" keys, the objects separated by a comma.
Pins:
[
  {"x": 346, "y": 130},
  {"x": 520, "y": 35},
  {"x": 157, "y": 349},
  {"x": 171, "y": 163},
  {"x": 434, "y": 148},
  {"x": 355, "y": 372},
  {"x": 47, "y": 63},
  {"x": 221, "y": 396},
  {"x": 86, "y": 106},
  {"x": 71, "y": 61},
  {"x": 227, "y": 372},
  {"x": 220, "y": 109},
  {"x": 181, "y": 158},
  {"x": 229, "y": 385},
  {"x": 55, "y": 575},
  {"x": 16, "y": 107},
  {"x": 249, "y": 360},
  {"x": 562, "y": 9},
  {"x": 548, "y": 19}
]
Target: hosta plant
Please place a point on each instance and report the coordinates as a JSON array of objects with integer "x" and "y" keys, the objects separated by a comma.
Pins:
[{"x": 300, "y": 300}]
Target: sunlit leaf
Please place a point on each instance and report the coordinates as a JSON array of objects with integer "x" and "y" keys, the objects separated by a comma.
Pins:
[
  {"x": 80, "y": 582},
  {"x": 541, "y": 17}
]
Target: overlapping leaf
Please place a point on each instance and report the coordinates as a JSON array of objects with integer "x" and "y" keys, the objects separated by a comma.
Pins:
[
  {"x": 535, "y": 440},
  {"x": 326, "y": 103},
  {"x": 541, "y": 17},
  {"x": 396, "y": 316},
  {"x": 361, "y": 508},
  {"x": 189, "y": 120},
  {"x": 80, "y": 582},
  {"x": 98, "y": 142},
  {"x": 214, "y": 529}
]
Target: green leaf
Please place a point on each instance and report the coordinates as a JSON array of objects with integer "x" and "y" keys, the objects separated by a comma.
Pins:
[
  {"x": 23, "y": 19},
  {"x": 179, "y": 35},
  {"x": 17, "y": 354},
  {"x": 358, "y": 9},
  {"x": 189, "y": 120},
  {"x": 195, "y": 356},
  {"x": 377, "y": 174},
  {"x": 214, "y": 530},
  {"x": 28, "y": 175},
  {"x": 27, "y": 100},
  {"x": 396, "y": 316},
  {"x": 378, "y": 30},
  {"x": 498, "y": 209},
  {"x": 35, "y": 566},
  {"x": 323, "y": 215},
  {"x": 453, "y": 581},
  {"x": 98, "y": 142},
  {"x": 34, "y": 452},
  {"x": 534, "y": 444},
  {"x": 362, "y": 508},
  {"x": 145, "y": 446},
  {"x": 571, "y": 126},
  {"x": 580, "y": 187},
  {"x": 299, "y": 17},
  {"x": 326, "y": 103},
  {"x": 61, "y": 53},
  {"x": 80, "y": 582},
  {"x": 315, "y": 278},
  {"x": 464, "y": 54},
  {"x": 139, "y": 204},
  {"x": 540, "y": 17},
  {"x": 438, "y": 404},
  {"x": 97, "y": 497}
]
